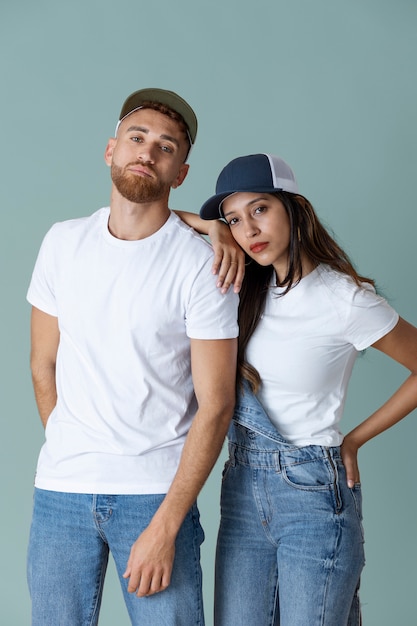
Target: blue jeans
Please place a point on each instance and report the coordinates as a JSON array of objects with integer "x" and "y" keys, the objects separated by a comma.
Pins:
[
  {"x": 290, "y": 545},
  {"x": 70, "y": 540}
]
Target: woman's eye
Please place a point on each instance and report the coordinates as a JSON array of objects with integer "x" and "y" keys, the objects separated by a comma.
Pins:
[
  {"x": 260, "y": 209},
  {"x": 232, "y": 221}
]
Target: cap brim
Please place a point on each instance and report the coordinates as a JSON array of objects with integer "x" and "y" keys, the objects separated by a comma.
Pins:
[
  {"x": 210, "y": 210},
  {"x": 169, "y": 98}
]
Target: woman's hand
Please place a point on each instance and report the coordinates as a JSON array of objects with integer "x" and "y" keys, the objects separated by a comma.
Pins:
[
  {"x": 349, "y": 453},
  {"x": 229, "y": 258}
]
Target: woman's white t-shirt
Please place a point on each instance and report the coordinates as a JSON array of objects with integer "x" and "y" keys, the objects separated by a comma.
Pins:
[{"x": 304, "y": 349}]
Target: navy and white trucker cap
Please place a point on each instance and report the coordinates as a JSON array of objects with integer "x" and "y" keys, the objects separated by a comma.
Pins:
[{"x": 263, "y": 173}]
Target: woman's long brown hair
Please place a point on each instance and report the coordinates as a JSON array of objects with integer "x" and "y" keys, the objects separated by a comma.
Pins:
[{"x": 307, "y": 237}]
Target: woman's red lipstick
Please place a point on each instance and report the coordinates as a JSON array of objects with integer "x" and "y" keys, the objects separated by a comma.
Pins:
[{"x": 259, "y": 246}]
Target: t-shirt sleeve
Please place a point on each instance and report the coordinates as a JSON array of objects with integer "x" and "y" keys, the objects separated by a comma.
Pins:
[
  {"x": 41, "y": 292},
  {"x": 211, "y": 314},
  {"x": 369, "y": 317}
]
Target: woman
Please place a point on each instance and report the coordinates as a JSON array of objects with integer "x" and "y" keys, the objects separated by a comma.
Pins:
[{"x": 290, "y": 545}]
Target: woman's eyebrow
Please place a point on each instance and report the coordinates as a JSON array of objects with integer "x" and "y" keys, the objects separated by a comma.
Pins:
[{"x": 254, "y": 201}]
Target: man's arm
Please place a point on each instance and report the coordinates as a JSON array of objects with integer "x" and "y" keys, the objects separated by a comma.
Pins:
[
  {"x": 44, "y": 347},
  {"x": 214, "y": 369}
]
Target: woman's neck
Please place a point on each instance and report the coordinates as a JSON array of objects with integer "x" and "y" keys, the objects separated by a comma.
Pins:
[{"x": 307, "y": 266}]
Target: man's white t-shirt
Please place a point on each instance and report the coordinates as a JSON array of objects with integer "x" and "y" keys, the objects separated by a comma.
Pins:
[
  {"x": 304, "y": 349},
  {"x": 126, "y": 312}
]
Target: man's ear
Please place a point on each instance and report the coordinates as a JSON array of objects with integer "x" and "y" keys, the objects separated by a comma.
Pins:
[
  {"x": 108, "y": 153},
  {"x": 181, "y": 175}
]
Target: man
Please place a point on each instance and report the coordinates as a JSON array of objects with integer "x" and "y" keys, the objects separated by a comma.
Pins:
[{"x": 133, "y": 357}]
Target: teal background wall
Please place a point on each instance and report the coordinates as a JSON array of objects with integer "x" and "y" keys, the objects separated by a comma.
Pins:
[{"x": 329, "y": 85}]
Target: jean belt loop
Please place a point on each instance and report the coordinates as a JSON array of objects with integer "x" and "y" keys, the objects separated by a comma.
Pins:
[
  {"x": 333, "y": 452},
  {"x": 279, "y": 462}
]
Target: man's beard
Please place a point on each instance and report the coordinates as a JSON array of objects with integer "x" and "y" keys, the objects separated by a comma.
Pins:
[{"x": 137, "y": 189}]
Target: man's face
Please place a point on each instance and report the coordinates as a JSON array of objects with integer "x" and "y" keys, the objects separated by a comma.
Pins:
[{"x": 147, "y": 156}]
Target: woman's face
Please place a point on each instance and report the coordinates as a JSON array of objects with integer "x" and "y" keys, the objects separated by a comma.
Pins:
[{"x": 260, "y": 225}]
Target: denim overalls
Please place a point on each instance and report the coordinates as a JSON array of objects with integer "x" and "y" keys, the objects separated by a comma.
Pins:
[{"x": 290, "y": 545}]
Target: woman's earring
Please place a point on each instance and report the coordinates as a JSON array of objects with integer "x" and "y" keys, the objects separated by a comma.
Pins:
[{"x": 299, "y": 235}]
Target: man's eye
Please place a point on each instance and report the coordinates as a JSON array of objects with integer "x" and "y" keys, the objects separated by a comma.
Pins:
[
  {"x": 136, "y": 139},
  {"x": 167, "y": 149}
]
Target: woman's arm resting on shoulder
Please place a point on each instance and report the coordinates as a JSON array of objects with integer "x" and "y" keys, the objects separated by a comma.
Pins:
[
  {"x": 401, "y": 345},
  {"x": 44, "y": 347},
  {"x": 229, "y": 258}
]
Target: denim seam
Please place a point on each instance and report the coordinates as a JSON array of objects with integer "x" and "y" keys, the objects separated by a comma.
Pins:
[
  {"x": 265, "y": 433},
  {"x": 95, "y": 609},
  {"x": 196, "y": 527},
  {"x": 329, "y": 572},
  {"x": 336, "y": 488},
  {"x": 99, "y": 520},
  {"x": 264, "y": 518}
]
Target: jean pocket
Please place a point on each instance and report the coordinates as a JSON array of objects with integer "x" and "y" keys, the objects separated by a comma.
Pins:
[{"x": 313, "y": 474}]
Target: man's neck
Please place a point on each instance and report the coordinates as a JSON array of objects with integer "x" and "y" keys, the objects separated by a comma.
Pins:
[{"x": 131, "y": 221}]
